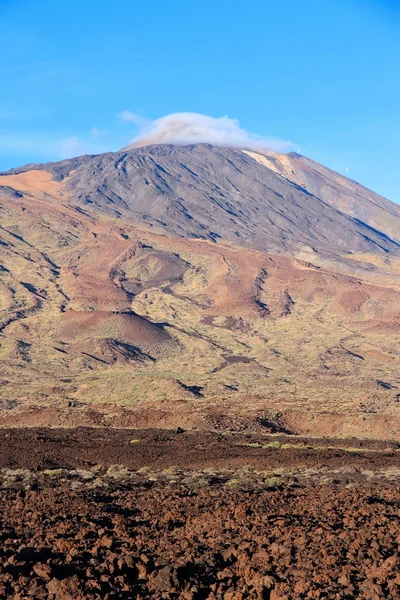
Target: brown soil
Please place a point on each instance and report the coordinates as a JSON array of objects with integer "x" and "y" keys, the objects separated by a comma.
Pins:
[
  {"x": 83, "y": 447},
  {"x": 190, "y": 532},
  {"x": 136, "y": 328}
]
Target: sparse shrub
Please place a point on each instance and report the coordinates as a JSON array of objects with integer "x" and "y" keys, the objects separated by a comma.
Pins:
[
  {"x": 199, "y": 481},
  {"x": 54, "y": 473},
  {"x": 273, "y": 481},
  {"x": 172, "y": 471},
  {"x": 117, "y": 472},
  {"x": 97, "y": 469},
  {"x": 273, "y": 446},
  {"x": 172, "y": 481},
  {"x": 232, "y": 483},
  {"x": 86, "y": 475},
  {"x": 76, "y": 485},
  {"x": 16, "y": 477},
  {"x": 297, "y": 447},
  {"x": 210, "y": 471},
  {"x": 325, "y": 481},
  {"x": 97, "y": 483},
  {"x": 144, "y": 470},
  {"x": 190, "y": 481}
]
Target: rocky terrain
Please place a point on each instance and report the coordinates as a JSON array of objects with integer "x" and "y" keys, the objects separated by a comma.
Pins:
[
  {"x": 157, "y": 543},
  {"x": 272, "y": 517}
]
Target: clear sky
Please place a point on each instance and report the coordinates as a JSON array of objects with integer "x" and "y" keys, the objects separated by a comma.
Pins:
[{"x": 323, "y": 74}]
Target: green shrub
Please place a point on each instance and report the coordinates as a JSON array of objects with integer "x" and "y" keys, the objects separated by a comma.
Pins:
[
  {"x": 273, "y": 446},
  {"x": 54, "y": 473},
  {"x": 233, "y": 483},
  {"x": 273, "y": 482}
]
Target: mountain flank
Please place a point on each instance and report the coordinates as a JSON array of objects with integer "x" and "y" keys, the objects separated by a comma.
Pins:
[
  {"x": 207, "y": 192},
  {"x": 198, "y": 287}
]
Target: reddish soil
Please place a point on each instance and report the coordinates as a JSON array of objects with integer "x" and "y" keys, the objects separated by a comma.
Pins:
[
  {"x": 264, "y": 523},
  {"x": 136, "y": 329},
  {"x": 176, "y": 542},
  {"x": 84, "y": 447}
]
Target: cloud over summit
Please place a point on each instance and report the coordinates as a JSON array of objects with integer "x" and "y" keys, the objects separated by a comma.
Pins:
[{"x": 194, "y": 128}]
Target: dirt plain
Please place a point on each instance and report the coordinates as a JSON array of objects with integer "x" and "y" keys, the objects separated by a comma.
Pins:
[{"x": 111, "y": 514}]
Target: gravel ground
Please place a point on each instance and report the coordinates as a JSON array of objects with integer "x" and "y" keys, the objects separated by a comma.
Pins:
[{"x": 282, "y": 528}]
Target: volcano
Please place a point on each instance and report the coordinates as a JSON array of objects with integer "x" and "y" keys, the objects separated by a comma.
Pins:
[{"x": 201, "y": 286}]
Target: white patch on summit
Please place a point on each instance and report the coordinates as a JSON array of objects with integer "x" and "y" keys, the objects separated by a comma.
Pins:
[{"x": 183, "y": 129}]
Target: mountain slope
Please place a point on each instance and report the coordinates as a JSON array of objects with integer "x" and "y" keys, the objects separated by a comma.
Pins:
[
  {"x": 342, "y": 193},
  {"x": 119, "y": 305},
  {"x": 211, "y": 193}
]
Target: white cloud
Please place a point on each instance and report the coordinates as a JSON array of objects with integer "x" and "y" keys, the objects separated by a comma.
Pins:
[
  {"x": 180, "y": 128},
  {"x": 191, "y": 128}
]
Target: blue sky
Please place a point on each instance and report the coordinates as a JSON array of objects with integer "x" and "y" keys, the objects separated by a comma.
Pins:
[{"x": 323, "y": 74}]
